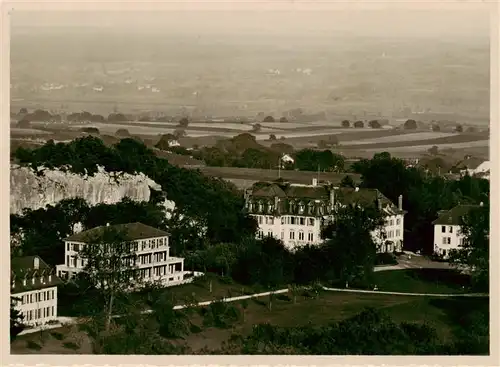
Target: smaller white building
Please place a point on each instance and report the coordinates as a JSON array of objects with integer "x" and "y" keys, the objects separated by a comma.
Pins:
[
  {"x": 151, "y": 248},
  {"x": 447, "y": 229},
  {"x": 34, "y": 284}
]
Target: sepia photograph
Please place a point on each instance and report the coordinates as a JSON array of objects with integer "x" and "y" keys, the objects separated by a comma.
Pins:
[{"x": 298, "y": 179}]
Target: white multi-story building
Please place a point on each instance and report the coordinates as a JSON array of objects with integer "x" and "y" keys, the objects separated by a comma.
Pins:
[
  {"x": 447, "y": 229},
  {"x": 297, "y": 213},
  {"x": 150, "y": 246},
  {"x": 34, "y": 285}
]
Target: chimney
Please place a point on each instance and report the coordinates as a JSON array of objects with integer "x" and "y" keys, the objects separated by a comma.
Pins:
[
  {"x": 36, "y": 263},
  {"x": 332, "y": 197},
  {"x": 400, "y": 202},
  {"x": 315, "y": 182}
]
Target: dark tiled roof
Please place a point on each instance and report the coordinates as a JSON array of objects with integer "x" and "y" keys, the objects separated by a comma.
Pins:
[
  {"x": 132, "y": 232},
  {"x": 270, "y": 190},
  {"x": 24, "y": 268},
  {"x": 454, "y": 216},
  {"x": 311, "y": 200}
]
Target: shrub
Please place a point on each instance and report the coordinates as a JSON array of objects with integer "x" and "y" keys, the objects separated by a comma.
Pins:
[
  {"x": 221, "y": 315},
  {"x": 30, "y": 344},
  {"x": 385, "y": 259},
  {"x": 57, "y": 335},
  {"x": 71, "y": 345}
]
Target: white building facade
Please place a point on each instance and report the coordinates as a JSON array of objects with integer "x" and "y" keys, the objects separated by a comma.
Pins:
[
  {"x": 447, "y": 229},
  {"x": 34, "y": 285},
  {"x": 151, "y": 247},
  {"x": 296, "y": 214}
]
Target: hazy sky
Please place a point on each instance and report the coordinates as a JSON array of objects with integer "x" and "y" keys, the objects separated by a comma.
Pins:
[{"x": 379, "y": 23}]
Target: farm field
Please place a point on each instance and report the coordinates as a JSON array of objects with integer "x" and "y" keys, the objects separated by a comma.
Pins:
[
  {"x": 423, "y": 148},
  {"x": 400, "y": 138},
  {"x": 353, "y": 142},
  {"x": 254, "y": 174}
]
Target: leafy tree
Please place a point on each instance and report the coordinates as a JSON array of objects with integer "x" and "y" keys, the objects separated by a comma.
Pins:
[
  {"x": 436, "y": 127},
  {"x": 272, "y": 137},
  {"x": 410, "y": 124},
  {"x": 110, "y": 267},
  {"x": 16, "y": 319},
  {"x": 171, "y": 324},
  {"x": 434, "y": 150},
  {"x": 179, "y": 133},
  {"x": 163, "y": 143},
  {"x": 256, "y": 128},
  {"x": 347, "y": 181},
  {"x": 346, "y": 123},
  {"x": 350, "y": 238},
  {"x": 359, "y": 124},
  {"x": 283, "y": 119},
  {"x": 24, "y": 123},
  {"x": 117, "y": 117},
  {"x": 184, "y": 122},
  {"x": 122, "y": 132},
  {"x": 23, "y": 111},
  {"x": 268, "y": 119},
  {"x": 459, "y": 129},
  {"x": 374, "y": 124},
  {"x": 471, "y": 129},
  {"x": 473, "y": 253}
]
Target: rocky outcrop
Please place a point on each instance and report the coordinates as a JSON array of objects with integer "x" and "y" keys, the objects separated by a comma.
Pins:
[{"x": 31, "y": 190}]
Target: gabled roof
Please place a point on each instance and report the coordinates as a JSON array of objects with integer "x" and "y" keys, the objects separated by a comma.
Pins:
[
  {"x": 132, "y": 232},
  {"x": 25, "y": 268},
  {"x": 454, "y": 215},
  {"x": 307, "y": 192},
  {"x": 271, "y": 190}
]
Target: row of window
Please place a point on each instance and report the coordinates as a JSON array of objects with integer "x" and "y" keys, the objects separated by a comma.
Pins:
[
  {"x": 390, "y": 234},
  {"x": 447, "y": 241},
  {"x": 287, "y": 220},
  {"x": 144, "y": 244},
  {"x": 390, "y": 222},
  {"x": 443, "y": 229},
  {"x": 159, "y": 270},
  {"x": 301, "y": 209},
  {"x": 40, "y": 313},
  {"x": 300, "y": 235},
  {"x": 150, "y": 258},
  {"x": 37, "y": 297}
]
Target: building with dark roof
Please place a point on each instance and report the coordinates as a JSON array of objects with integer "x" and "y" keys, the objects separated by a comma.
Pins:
[
  {"x": 447, "y": 229},
  {"x": 296, "y": 213},
  {"x": 150, "y": 245},
  {"x": 34, "y": 284}
]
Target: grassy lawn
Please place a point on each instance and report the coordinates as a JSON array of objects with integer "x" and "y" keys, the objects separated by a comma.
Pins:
[
  {"x": 200, "y": 290},
  {"x": 63, "y": 340},
  {"x": 422, "y": 281},
  {"x": 328, "y": 307}
]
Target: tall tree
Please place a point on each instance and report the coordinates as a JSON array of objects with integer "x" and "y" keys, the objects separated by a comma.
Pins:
[
  {"x": 16, "y": 319},
  {"x": 350, "y": 248},
  {"x": 110, "y": 259},
  {"x": 474, "y": 252}
]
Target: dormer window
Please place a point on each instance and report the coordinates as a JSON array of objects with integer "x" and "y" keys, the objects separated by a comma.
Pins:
[
  {"x": 310, "y": 208},
  {"x": 301, "y": 208}
]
